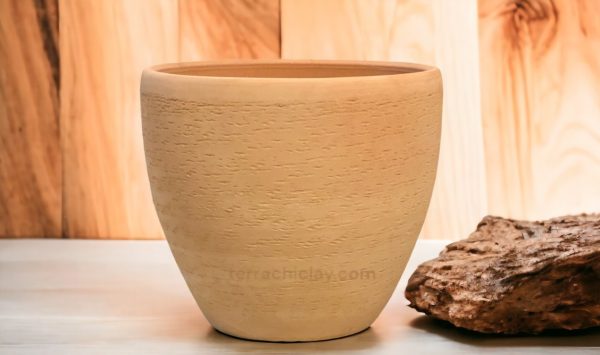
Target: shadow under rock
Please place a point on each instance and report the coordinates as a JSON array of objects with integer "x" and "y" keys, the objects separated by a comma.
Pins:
[{"x": 574, "y": 338}]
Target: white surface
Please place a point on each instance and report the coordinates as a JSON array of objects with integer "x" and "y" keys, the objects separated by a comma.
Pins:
[{"x": 107, "y": 297}]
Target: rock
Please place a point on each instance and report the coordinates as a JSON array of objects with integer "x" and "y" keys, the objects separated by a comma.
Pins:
[{"x": 515, "y": 277}]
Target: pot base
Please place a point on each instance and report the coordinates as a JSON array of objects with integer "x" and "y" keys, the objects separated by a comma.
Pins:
[{"x": 292, "y": 341}]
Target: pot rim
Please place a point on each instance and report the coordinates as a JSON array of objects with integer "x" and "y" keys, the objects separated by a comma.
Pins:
[{"x": 225, "y": 69}]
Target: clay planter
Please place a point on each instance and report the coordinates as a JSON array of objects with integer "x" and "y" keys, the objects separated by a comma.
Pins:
[{"x": 291, "y": 193}]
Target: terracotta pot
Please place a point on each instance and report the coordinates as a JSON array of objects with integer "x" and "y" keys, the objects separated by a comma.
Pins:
[{"x": 291, "y": 193}]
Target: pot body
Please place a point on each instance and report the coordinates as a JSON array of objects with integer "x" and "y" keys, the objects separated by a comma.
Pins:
[{"x": 291, "y": 203}]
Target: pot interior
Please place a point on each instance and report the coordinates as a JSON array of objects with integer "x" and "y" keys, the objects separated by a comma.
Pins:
[{"x": 291, "y": 70}]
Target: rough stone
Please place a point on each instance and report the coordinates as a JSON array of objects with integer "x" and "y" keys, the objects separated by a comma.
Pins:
[{"x": 514, "y": 276}]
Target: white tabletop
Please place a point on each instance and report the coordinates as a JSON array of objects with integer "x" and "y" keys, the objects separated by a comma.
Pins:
[{"x": 114, "y": 297}]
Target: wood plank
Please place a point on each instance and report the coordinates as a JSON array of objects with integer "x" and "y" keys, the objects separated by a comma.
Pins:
[
  {"x": 540, "y": 78},
  {"x": 442, "y": 33},
  {"x": 30, "y": 162},
  {"x": 229, "y": 29},
  {"x": 104, "y": 46}
]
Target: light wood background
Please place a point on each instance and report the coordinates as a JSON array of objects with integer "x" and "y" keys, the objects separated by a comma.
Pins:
[
  {"x": 521, "y": 126},
  {"x": 540, "y": 77}
]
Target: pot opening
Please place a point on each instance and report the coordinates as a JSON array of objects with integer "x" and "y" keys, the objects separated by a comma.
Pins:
[{"x": 292, "y": 70}]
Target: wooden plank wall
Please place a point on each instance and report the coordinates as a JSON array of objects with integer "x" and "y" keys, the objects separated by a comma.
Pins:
[
  {"x": 104, "y": 46},
  {"x": 107, "y": 192},
  {"x": 442, "y": 33},
  {"x": 521, "y": 129},
  {"x": 229, "y": 29},
  {"x": 30, "y": 159},
  {"x": 72, "y": 160},
  {"x": 540, "y": 81}
]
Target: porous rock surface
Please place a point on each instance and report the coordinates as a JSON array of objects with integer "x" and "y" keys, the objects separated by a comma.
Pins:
[{"x": 514, "y": 276}]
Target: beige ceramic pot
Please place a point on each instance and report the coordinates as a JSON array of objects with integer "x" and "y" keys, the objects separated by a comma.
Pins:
[{"x": 291, "y": 193}]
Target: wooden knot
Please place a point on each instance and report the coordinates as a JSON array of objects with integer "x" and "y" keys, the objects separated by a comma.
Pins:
[
  {"x": 532, "y": 23},
  {"x": 527, "y": 11}
]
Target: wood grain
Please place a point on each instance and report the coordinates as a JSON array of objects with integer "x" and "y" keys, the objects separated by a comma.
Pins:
[
  {"x": 104, "y": 47},
  {"x": 540, "y": 77},
  {"x": 91, "y": 303},
  {"x": 228, "y": 29},
  {"x": 442, "y": 33},
  {"x": 30, "y": 160}
]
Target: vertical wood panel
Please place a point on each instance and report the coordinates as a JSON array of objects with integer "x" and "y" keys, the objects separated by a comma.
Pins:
[
  {"x": 540, "y": 73},
  {"x": 442, "y": 33},
  {"x": 229, "y": 29},
  {"x": 30, "y": 161},
  {"x": 104, "y": 46}
]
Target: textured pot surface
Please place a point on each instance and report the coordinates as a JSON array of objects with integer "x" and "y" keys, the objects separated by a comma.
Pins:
[{"x": 291, "y": 193}]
